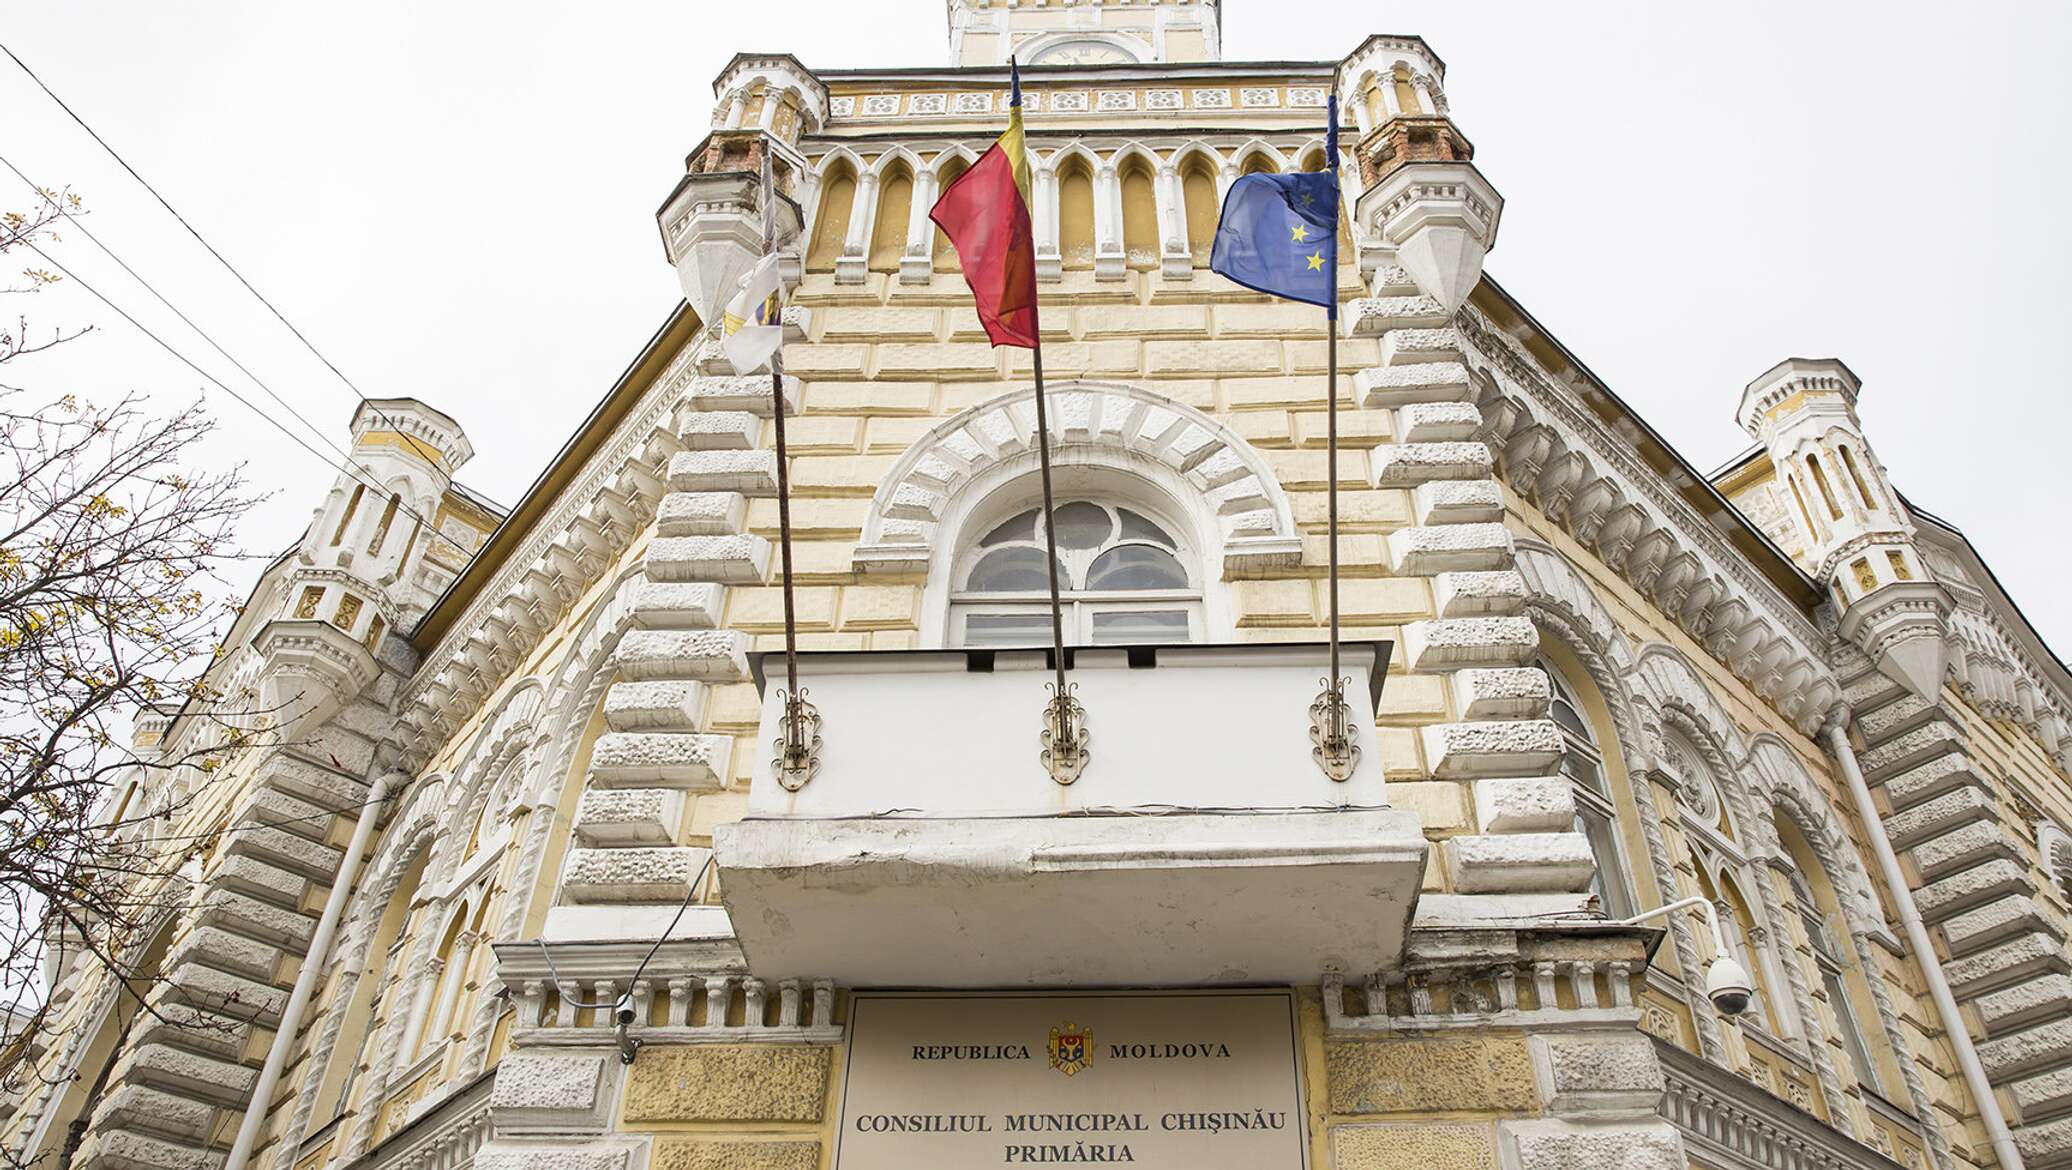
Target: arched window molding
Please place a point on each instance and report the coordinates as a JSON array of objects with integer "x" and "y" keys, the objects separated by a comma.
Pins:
[
  {"x": 998, "y": 592},
  {"x": 1792, "y": 794},
  {"x": 1230, "y": 496},
  {"x": 1591, "y": 784},
  {"x": 2056, "y": 846},
  {"x": 1565, "y": 608}
]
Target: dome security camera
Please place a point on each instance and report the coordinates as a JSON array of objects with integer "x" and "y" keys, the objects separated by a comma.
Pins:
[{"x": 1728, "y": 986}]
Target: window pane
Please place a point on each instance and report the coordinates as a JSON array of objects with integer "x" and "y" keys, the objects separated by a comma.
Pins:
[
  {"x": 1007, "y": 629},
  {"x": 1083, "y": 525},
  {"x": 1571, "y": 721},
  {"x": 1122, "y": 627},
  {"x": 1582, "y": 772},
  {"x": 1852, "y": 1038},
  {"x": 1022, "y": 527},
  {"x": 1136, "y": 566},
  {"x": 1135, "y": 527},
  {"x": 1609, "y": 883},
  {"x": 1010, "y": 570}
]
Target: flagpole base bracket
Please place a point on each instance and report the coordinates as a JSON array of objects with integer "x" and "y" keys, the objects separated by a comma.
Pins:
[
  {"x": 1331, "y": 732},
  {"x": 1064, "y": 735},
  {"x": 798, "y": 742}
]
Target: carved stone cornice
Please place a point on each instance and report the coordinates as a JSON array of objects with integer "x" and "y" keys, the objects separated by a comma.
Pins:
[{"x": 1614, "y": 503}]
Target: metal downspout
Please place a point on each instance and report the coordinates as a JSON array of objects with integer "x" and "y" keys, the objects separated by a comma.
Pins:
[
  {"x": 313, "y": 966},
  {"x": 1946, "y": 1010}
]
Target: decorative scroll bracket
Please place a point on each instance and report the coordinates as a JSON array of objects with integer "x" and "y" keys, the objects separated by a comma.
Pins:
[
  {"x": 1330, "y": 729},
  {"x": 1064, "y": 735},
  {"x": 797, "y": 742}
]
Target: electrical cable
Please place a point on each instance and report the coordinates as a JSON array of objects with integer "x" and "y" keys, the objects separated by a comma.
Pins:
[
  {"x": 358, "y": 472},
  {"x": 229, "y": 267}
]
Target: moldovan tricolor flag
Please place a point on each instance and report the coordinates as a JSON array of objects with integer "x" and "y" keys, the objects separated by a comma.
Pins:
[{"x": 985, "y": 213}]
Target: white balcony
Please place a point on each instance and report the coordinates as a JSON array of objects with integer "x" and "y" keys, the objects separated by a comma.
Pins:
[{"x": 1202, "y": 844}]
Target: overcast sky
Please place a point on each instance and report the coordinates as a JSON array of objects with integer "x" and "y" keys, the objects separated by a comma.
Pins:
[{"x": 456, "y": 203}]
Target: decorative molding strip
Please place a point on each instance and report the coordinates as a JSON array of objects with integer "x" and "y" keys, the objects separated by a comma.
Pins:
[{"x": 1732, "y": 1124}]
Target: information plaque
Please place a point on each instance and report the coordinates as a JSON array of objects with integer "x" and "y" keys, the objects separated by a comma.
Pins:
[{"x": 1180, "y": 1081}]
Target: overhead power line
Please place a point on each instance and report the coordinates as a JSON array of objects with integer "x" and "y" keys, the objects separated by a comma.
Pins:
[
  {"x": 370, "y": 479},
  {"x": 146, "y": 184}
]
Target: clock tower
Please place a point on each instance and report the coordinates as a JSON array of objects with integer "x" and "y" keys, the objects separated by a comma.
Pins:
[{"x": 1084, "y": 32}]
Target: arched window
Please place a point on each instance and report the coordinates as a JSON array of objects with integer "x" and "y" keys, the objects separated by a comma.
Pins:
[
  {"x": 1812, "y": 529},
  {"x": 1259, "y": 163},
  {"x": 1124, "y": 577},
  {"x": 945, "y": 256},
  {"x": 370, "y": 994},
  {"x": 1863, "y": 490},
  {"x": 1737, "y": 919},
  {"x": 1198, "y": 192},
  {"x": 831, "y": 225},
  {"x": 1582, "y": 761},
  {"x": 1139, "y": 215},
  {"x": 1827, "y": 492},
  {"x": 1076, "y": 214},
  {"x": 895, "y": 208}
]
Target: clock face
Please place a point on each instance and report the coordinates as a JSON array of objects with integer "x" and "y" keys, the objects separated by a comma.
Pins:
[{"x": 1084, "y": 53}]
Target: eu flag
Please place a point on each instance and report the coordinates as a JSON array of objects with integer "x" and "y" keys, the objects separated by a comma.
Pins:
[{"x": 1279, "y": 235}]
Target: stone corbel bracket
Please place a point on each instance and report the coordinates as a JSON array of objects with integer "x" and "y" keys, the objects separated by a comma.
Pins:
[{"x": 1256, "y": 525}]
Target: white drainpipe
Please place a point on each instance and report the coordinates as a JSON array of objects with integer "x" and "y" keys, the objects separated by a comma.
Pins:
[
  {"x": 1953, "y": 1023},
  {"x": 313, "y": 968}
]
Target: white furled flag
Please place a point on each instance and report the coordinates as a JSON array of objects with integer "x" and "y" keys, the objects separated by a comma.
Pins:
[{"x": 752, "y": 328}]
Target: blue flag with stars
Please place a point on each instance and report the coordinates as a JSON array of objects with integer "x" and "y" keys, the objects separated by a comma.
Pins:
[{"x": 1279, "y": 235}]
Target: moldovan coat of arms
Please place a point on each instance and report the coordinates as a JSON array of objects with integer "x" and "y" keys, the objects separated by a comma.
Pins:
[{"x": 1071, "y": 1048}]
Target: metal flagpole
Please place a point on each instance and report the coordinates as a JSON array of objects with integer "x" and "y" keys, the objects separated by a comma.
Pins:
[
  {"x": 798, "y": 755},
  {"x": 1330, "y": 716},
  {"x": 1064, "y": 725}
]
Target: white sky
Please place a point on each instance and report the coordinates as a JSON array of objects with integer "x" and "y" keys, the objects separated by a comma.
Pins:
[{"x": 456, "y": 203}]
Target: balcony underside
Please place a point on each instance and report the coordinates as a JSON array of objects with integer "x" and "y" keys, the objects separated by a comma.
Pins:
[{"x": 1164, "y": 900}]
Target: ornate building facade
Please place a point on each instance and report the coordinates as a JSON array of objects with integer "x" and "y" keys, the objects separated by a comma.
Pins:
[{"x": 522, "y": 888}]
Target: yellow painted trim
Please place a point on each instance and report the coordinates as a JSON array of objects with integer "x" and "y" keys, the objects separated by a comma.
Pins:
[{"x": 408, "y": 443}]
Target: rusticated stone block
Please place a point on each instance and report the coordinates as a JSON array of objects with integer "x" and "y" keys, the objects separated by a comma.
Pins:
[
  {"x": 2041, "y": 1096},
  {"x": 629, "y": 816},
  {"x": 2010, "y": 962},
  {"x": 703, "y": 1154},
  {"x": 514, "y": 1156},
  {"x": 1408, "y": 464},
  {"x": 124, "y": 1149},
  {"x": 1951, "y": 810},
  {"x": 1516, "y": 692},
  {"x": 1409, "y": 347},
  {"x": 712, "y": 656},
  {"x": 1967, "y": 888},
  {"x": 2040, "y": 1143},
  {"x": 1962, "y": 849},
  {"x": 192, "y": 1074},
  {"x": 663, "y": 704},
  {"x": 2040, "y": 1047},
  {"x": 701, "y": 514},
  {"x": 1601, "y": 1074},
  {"x": 1520, "y": 863},
  {"x": 749, "y": 392},
  {"x": 286, "y": 850},
  {"x": 1931, "y": 778},
  {"x": 1995, "y": 922},
  {"x": 1536, "y": 804},
  {"x": 1492, "y": 1073},
  {"x": 263, "y": 920},
  {"x": 730, "y": 560},
  {"x": 1439, "y": 422},
  {"x": 1492, "y": 747},
  {"x": 1458, "y": 501},
  {"x": 2043, "y": 998},
  {"x": 1391, "y": 1145},
  {"x": 1425, "y": 549},
  {"x": 233, "y": 995},
  {"x": 678, "y": 605},
  {"x": 249, "y": 875},
  {"x": 1479, "y": 594},
  {"x": 1903, "y": 751},
  {"x": 1458, "y": 642},
  {"x": 665, "y": 758},
  {"x": 135, "y": 1106},
  {"x": 728, "y": 1082},
  {"x": 632, "y": 875},
  {"x": 1562, "y": 1145},
  {"x": 1374, "y": 316},
  {"x": 710, "y": 430},
  {"x": 231, "y": 952}
]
